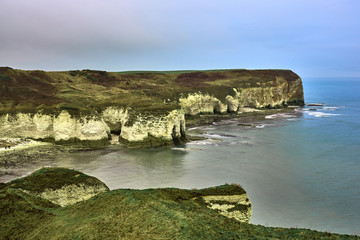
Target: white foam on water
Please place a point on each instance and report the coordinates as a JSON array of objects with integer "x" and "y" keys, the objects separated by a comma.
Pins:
[
  {"x": 217, "y": 136},
  {"x": 264, "y": 125},
  {"x": 204, "y": 142},
  {"x": 292, "y": 119},
  {"x": 247, "y": 143},
  {"x": 184, "y": 149},
  {"x": 331, "y": 108},
  {"x": 280, "y": 115},
  {"x": 206, "y": 128},
  {"x": 321, "y": 114}
]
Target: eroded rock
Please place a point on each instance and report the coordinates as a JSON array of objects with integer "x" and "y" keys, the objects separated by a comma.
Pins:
[
  {"x": 60, "y": 185},
  {"x": 233, "y": 206}
]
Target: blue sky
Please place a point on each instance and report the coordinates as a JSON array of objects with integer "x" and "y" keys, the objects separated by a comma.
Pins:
[{"x": 314, "y": 38}]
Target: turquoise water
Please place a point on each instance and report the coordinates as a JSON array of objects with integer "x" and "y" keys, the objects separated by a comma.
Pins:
[{"x": 299, "y": 170}]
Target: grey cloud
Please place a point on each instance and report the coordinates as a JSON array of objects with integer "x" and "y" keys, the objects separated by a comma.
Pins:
[{"x": 167, "y": 33}]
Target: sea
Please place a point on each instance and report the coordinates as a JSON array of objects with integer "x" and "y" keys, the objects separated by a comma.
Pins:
[{"x": 299, "y": 169}]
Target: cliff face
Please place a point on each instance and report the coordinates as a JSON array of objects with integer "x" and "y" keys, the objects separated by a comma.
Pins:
[
  {"x": 142, "y": 108},
  {"x": 197, "y": 103},
  {"x": 279, "y": 94},
  {"x": 145, "y": 128},
  {"x": 155, "y": 130},
  {"x": 134, "y": 128},
  {"x": 59, "y": 128}
]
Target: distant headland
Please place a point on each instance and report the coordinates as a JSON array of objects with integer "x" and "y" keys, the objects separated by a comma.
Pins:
[{"x": 138, "y": 108}]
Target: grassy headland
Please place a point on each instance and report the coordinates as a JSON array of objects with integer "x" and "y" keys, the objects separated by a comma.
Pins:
[
  {"x": 81, "y": 92},
  {"x": 126, "y": 214}
]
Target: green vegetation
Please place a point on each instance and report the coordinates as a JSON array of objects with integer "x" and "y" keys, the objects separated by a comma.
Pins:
[
  {"x": 52, "y": 178},
  {"x": 4, "y": 78},
  {"x": 126, "y": 214},
  {"x": 90, "y": 91}
]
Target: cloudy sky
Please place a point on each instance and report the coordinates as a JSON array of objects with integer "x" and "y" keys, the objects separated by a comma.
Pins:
[{"x": 315, "y": 38}]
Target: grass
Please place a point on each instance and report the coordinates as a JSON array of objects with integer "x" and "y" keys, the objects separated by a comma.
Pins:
[
  {"x": 167, "y": 213},
  {"x": 52, "y": 178},
  {"x": 90, "y": 91}
]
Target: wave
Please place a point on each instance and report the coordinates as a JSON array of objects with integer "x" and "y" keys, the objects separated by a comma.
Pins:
[
  {"x": 206, "y": 128},
  {"x": 184, "y": 149},
  {"x": 264, "y": 125},
  {"x": 205, "y": 142},
  {"x": 331, "y": 108},
  {"x": 321, "y": 114},
  {"x": 280, "y": 116},
  {"x": 248, "y": 143},
  {"x": 220, "y": 135}
]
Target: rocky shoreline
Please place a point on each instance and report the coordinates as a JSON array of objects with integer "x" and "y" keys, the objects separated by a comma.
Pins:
[
  {"x": 17, "y": 156},
  {"x": 22, "y": 151}
]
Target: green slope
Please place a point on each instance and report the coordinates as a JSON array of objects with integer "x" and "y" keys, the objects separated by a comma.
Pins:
[
  {"x": 129, "y": 214},
  {"x": 88, "y": 91}
]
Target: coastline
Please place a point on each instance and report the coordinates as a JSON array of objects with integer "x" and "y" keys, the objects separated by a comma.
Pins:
[
  {"x": 23, "y": 151},
  {"x": 300, "y": 233}
]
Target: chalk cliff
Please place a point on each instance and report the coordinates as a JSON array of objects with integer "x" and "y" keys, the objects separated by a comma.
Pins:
[
  {"x": 279, "y": 93},
  {"x": 133, "y": 128},
  {"x": 61, "y": 128},
  {"x": 154, "y": 130},
  {"x": 141, "y": 108}
]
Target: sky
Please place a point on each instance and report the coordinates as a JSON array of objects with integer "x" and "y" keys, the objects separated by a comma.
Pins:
[{"x": 314, "y": 38}]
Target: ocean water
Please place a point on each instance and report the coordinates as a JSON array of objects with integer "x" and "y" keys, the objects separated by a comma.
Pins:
[{"x": 299, "y": 170}]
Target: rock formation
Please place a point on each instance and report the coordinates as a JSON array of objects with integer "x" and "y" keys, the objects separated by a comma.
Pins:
[
  {"x": 233, "y": 206},
  {"x": 60, "y": 186},
  {"x": 60, "y": 128}
]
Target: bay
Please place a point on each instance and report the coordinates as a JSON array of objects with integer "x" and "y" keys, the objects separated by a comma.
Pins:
[{"x": 299, "y": 170}]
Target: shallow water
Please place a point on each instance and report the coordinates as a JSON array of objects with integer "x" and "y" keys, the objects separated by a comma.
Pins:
[{"x": 299, "y": 170}]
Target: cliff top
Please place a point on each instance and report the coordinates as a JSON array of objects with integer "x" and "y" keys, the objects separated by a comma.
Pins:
[{"x": 89, "y": 90}]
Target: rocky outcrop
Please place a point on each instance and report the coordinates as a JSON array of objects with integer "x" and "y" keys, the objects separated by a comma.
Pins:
[
  {"x": 132, "y": 127},
  {"x": 154, "y": 130},
  {"x": 61, "y": 128},
  {"x": 196, "y": 103},
  {"x": 232, "y": 206},
  {"x": 115, "y": 118},
  {"x": 279, "y": 93},
  {"x": 70, "y": 194},
  {"x": 60, "y": 186}
]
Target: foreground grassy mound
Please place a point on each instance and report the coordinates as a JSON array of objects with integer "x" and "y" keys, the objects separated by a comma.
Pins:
[{"x": 128, "y": 214}]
